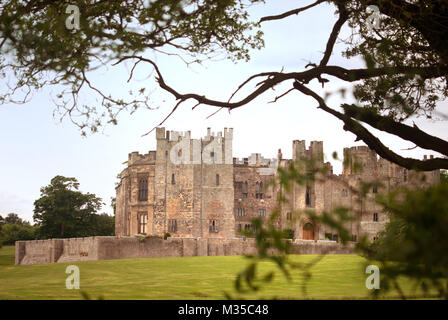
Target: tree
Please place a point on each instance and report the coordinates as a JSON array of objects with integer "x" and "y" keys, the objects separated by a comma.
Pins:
[
  {"x": 103, "y": 225},
  {"x": 62, "y": 211},
  {"x": 13, "y": 228},
  {"x": 405, "y": 74},
  {"x": 12, "y": 232},
  {"x": 13, "y": 218},
  {"x": 414, "y": 243}
]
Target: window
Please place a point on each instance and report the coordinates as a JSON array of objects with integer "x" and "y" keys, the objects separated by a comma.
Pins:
[
  {"x": 142, "y": 220},
  {"x": 259, "y": 190},
  {"x": 173, "y": 180},
  {"x": 240, "y": 212},
  {"x": 239, "y": 227},
  {"x": 288, "y": 215},
  {"x": 405, "y": 175},
  {"x": 308, "y": 197},
  {"x": 375, "y": 217},
  {"x": 212, "y": 156},
  {"x": 344, "y": 192},
  {"x": 143, "y": 189},
  {"x": 172, "y": 225},
  {"x": 375, "y": 238},
  {"x": 213, "y": 226},
  {"x": 244, "y": 189},
  {"x": 262, "y": 212},
  {"x": 217, "y": 179},
  {"x": 353, "y": 238},
  {"x": 375, "y": 189}
]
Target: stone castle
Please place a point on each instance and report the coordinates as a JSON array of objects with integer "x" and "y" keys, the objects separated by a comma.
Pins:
[
  {"x": 194, "y": 188},
  {"x": 197, "y": 192}
]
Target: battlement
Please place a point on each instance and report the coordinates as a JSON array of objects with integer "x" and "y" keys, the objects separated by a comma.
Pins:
[
  {"x": 172, "y": 135},
  {"x": 255, "y": 159},
  {"x": 135, "y": 157},
  {"x": 315, "y": 150}
]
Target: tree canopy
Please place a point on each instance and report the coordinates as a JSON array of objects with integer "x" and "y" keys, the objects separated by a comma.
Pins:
[
  {"x": 63, "y": 212},
  {"x": 405, "y": 74}
]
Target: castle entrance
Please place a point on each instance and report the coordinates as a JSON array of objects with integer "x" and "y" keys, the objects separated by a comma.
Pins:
[{"x": 308, "y": 232}]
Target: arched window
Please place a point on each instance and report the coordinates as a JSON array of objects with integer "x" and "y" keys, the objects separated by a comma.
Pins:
[
  {"x": 143, "y": 189},
  {"x": 217, "y": 179},
  {"x": 308, "y": 197},
  {"x": 173, "y": 180}
]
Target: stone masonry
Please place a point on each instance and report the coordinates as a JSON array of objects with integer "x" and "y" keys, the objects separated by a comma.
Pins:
[{"x": 195, "y": 188}]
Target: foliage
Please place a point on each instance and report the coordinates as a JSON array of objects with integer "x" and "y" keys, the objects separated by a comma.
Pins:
[
  {"x": 13, "y": 228},
  {"x": 13, "y": 218},
  {"x": 63, "y": 212},
  {"x": 166, "y": 235},
  {"x": 444, "y": 176},
  {"x": 414, "y": 243},
  {"x": 40, "y": 50},
  {"x": 13, "y": 232},
  {"x": 405, "y": 73}
]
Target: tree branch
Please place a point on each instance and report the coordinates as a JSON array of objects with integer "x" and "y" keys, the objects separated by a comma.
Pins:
[{"x": 373, "y": 142}]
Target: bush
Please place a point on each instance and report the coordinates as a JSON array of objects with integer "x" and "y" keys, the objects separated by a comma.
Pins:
[
  {"x": 166, "y": 235},
  {"x": 288, "y": 233}
]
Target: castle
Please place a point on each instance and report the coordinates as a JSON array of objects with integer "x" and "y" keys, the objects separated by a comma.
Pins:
[{"x": 194, "y": 188}]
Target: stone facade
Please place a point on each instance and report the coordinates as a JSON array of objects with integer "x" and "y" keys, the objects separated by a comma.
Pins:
[{"x": 195, "y": 188}]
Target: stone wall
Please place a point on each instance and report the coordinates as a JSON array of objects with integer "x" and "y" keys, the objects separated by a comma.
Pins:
[{"x": 105, "y": 248}]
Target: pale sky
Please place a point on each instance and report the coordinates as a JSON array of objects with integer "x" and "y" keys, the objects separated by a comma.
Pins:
[{"x": 35, "y": 147}]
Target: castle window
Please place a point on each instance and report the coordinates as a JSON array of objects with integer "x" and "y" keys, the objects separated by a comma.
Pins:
[
  {"x": 353, "y": 238},
  {"x": 142, "y": 220},
  {"x": 173, "y": 180},
  {"x": 213, "y": 226},
  {"x": 143, "y": 189},
  {"x": 259, "y": 190},
  {"x": 212, "y": 156},
  {"x": 308, "y": 197},
  {"x": 245, "y": 189},
  {"x": 262, "y": 212},
  {"x": 344, "y": 192},
  {"x": 405, "y": 175},
  {"x": 217, "y": 179},
  {"x": 375, "y": 189},
  {"x": 288, "y": 215},
  {"x": 240, "y": 212},
  {"x": 239, "y": 227},
  {"x": 172, "y": 225},
  {"x": 375, "y": 217},
  {"x": 179, "y": 153}
]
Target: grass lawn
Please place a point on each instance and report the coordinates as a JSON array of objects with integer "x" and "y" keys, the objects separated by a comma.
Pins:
[{"x": 335, "y": 277}]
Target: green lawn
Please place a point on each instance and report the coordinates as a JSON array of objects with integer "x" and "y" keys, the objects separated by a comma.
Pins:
[{"x": 335, "y": 277}]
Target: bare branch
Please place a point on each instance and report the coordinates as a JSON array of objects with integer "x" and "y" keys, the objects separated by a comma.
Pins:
[{"x": 291, "y": 12}]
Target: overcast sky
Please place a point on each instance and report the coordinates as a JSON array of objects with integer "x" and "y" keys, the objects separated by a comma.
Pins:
[{"x": 35, "y": 147}]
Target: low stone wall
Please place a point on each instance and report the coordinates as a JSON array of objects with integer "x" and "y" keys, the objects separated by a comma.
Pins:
[{"x": 104, "y": 248}]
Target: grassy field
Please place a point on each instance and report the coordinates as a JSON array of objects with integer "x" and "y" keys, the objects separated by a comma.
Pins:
[{"x": 335, "y": 277}]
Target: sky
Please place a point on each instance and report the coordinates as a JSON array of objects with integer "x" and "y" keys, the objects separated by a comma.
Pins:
[{"x": 35, "y": 146}]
